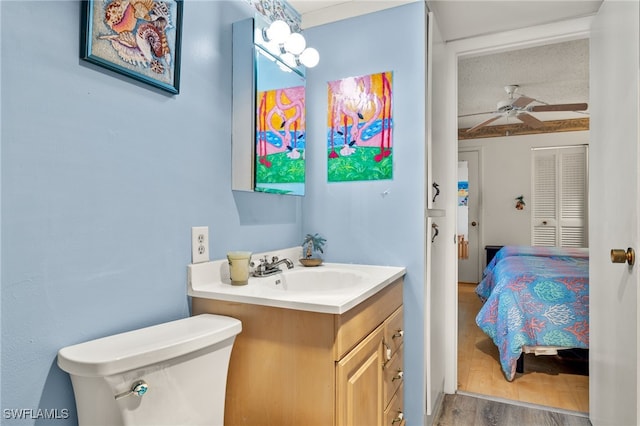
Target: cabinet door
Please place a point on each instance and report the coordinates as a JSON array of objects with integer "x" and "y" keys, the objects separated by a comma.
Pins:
[{"x": 360, "y": 384}]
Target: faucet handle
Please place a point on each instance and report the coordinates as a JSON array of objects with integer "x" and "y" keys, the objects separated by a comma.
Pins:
[
  {"x": 274, "y": 259},
  {"x": 261, "y": 265}
]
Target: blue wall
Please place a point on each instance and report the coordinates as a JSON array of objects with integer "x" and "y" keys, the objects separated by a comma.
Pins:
[
  {"x": 378, "y": 222},
  {"x": 102, "y": 180}
]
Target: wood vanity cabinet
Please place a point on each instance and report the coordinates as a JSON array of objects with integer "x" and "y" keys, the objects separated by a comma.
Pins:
[{"x": 292, "y": 367}]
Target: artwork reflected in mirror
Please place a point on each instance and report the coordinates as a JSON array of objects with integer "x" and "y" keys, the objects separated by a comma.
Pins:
[
  {"x": 280, "y": 134},
  {"x": 268, "y": 123}
]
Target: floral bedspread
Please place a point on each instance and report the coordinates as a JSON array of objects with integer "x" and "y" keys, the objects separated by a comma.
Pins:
[
  {"x": 486, "y": 285},
  {"x": 536, "y": 301}
]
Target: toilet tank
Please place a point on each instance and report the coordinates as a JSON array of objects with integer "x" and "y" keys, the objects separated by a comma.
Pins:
[{"x": 179, "y": 369}]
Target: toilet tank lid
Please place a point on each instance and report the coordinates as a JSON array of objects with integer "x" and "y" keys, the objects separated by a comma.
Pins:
[{"x": 146, "y": 346}]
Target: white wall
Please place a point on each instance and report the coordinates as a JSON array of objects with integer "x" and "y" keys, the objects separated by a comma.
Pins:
[{"x": 505, "y": 173}]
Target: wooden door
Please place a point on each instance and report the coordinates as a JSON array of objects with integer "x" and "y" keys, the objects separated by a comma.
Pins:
[
  {"x": 360, "y": 384},
  {"x": 613, "y": 222}
]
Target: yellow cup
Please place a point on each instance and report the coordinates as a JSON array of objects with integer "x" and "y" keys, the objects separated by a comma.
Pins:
[{"x": 239, "y": 266}]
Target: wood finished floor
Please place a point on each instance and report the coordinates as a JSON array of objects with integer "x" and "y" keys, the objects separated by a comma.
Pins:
[
  {"x": 464, "y": 410},
  {"x": 547, "y": 380}
]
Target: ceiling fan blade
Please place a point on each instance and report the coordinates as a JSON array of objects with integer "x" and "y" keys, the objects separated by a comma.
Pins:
[
  {"x": 484, "y": 123},
  {"x": 478, "y": 113},
  {"x": 522, "y": 102},
  {"x": 559, "y": 107},
  {"x": 529, "y": 120}
]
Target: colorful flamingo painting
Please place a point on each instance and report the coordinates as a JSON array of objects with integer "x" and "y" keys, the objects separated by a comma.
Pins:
[
  {"x": 280, "y": 137},
  {"x": 359, "y": 139}
]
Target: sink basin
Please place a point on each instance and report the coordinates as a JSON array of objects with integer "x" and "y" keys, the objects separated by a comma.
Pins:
[
  {"x": 330, "y": 288},
  {"x": 320, "y": 279}
]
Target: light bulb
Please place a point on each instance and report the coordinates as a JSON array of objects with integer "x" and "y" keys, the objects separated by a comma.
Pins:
[
  {"x": 278, "y": 31},
  {"x": 258, "y": 36},
  {"x": 289, "y": 59},
  {"x": 295, "y": 43},
  {"x": 309, "y": 57}
]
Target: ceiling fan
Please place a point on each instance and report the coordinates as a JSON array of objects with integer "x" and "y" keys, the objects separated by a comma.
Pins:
[{"x": 520, "y": 107}]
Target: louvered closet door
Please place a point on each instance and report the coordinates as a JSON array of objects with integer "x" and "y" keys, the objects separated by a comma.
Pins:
[{"x": 560, "y": 191}]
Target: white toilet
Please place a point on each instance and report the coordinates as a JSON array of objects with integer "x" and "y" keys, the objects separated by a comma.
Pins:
[{"x": 169, "y": 374}]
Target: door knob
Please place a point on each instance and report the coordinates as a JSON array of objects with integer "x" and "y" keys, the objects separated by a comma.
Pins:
[
  {"x": 621, "y": 256},
  {"x": 474, "y": 223}
]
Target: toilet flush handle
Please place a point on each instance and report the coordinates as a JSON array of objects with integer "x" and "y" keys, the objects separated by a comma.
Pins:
[{"x": 139, "y": 388}]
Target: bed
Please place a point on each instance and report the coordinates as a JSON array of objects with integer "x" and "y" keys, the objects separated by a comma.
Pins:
[{"x": 536, "y": 299}]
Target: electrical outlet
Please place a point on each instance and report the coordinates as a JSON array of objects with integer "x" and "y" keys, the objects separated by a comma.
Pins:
[{"x": 199, "y": 244}]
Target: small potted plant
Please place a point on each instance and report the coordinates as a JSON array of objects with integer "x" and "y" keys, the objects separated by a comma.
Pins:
[{"x": 311, "y": 245}]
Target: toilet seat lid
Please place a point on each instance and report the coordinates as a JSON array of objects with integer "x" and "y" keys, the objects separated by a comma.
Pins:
[{"x": 146, "y": 346}]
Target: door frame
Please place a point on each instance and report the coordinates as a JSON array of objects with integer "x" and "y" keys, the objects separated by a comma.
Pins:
[
  {"x": 480, "y": 184},
  {"x": 493, "y": 43}
]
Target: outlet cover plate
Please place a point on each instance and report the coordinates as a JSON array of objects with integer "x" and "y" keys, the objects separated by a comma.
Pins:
[{"x": 199, "y": 244}]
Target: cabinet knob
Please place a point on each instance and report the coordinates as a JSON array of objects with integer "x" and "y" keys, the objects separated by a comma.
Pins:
[
  {"x": 398, "y": 376},
  {"x": 387, "y": 351},
  {"x": 398, "y": 418},
  {"x": 399, "y": 333}
]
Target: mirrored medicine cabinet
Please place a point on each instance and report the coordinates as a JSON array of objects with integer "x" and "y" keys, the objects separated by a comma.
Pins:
[{"x": 268, "y": 131}]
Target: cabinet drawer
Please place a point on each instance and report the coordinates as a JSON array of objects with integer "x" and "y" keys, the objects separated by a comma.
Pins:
[
  {"x": 393, "y": 375},
  {"x": 393, "y": 414},
  {"x": 394, "y": 331},
  {"x": 352, "y": 326}
]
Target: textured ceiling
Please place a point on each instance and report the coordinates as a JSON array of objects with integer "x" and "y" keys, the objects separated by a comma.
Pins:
[{"x": 553, "y": 74}]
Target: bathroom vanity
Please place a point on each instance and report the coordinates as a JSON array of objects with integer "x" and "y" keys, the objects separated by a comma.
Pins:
[{"x": 301, "y": 364}]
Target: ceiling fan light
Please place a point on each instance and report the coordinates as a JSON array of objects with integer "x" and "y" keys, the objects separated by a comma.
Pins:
[{"x": 504, "y": 106}]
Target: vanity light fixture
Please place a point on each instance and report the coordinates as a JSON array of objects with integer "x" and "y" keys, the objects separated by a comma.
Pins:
[{"x": 290, "y": 46}]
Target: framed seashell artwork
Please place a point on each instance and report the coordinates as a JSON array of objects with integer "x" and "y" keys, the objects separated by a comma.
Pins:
[{"x": 137, "y": 38}]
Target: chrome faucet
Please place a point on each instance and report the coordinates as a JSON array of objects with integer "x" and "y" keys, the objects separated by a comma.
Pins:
[{"x": 266, "y": 268}]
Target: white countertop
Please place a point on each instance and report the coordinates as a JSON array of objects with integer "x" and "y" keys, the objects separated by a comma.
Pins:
[{"x": 347, "y": 286}]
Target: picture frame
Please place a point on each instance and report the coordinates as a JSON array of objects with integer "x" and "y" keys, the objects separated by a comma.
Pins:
[{"x": 139, "y": 39}]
